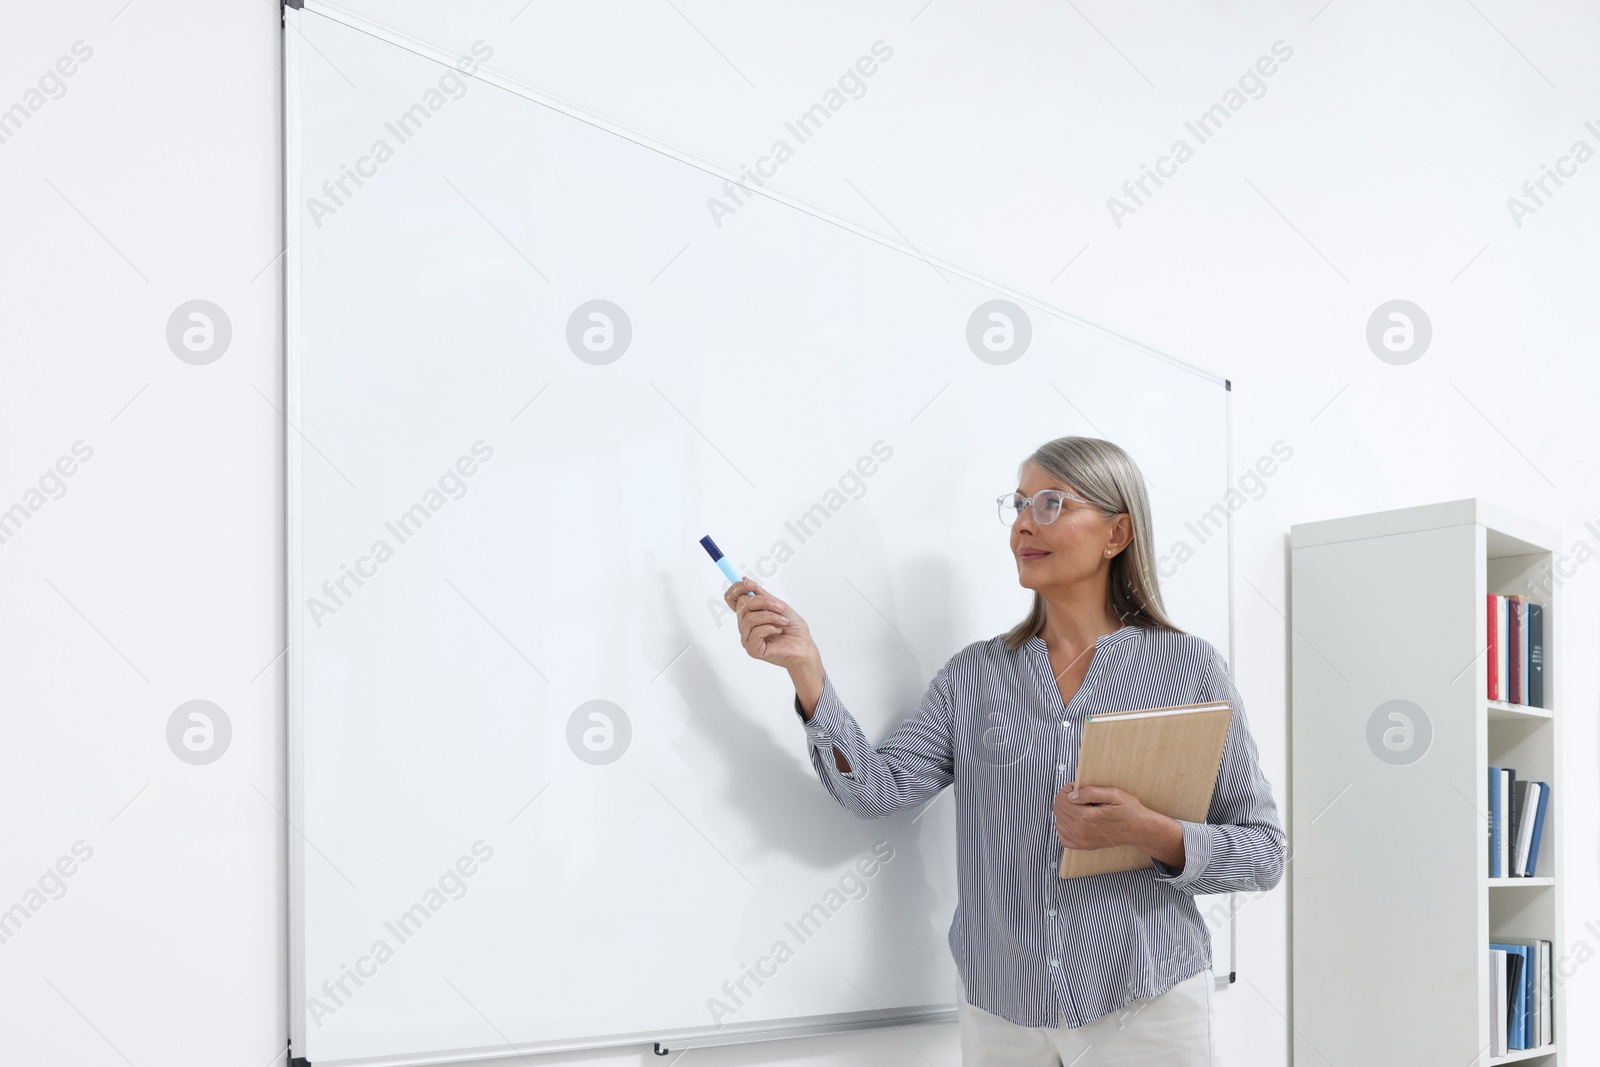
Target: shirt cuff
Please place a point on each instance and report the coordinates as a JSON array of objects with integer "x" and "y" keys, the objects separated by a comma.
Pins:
[
  {"x": 824, "y": 730},
  {"x": 1196, "y": 856},
  {"x": 812, "y": 725},
  {"x": 823, "y": 723}
]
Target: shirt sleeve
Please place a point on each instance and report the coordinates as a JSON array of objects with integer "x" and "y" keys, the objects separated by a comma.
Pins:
[
  {"x": 912, "y": 764},
  {"x": 1241, "y": 845}
]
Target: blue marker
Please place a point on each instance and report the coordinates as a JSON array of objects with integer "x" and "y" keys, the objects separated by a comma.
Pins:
[{"x": 717, "y": 557}]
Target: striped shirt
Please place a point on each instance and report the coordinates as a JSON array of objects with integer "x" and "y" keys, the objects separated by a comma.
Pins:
[{"x": 1030, "y": 946}]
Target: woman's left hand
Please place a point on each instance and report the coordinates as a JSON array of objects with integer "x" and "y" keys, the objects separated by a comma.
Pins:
[{"x": 1100, "y": 816}]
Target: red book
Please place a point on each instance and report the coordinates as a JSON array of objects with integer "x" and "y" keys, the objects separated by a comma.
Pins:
[
  {"x": 1514, "y": 650},
  {"x": 1494, "y": 652}
]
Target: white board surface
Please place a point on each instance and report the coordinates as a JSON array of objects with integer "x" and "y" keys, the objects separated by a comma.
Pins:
[{"x": 493, "y": 538}]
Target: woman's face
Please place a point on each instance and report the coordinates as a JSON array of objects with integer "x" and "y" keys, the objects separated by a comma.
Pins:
[{"x": 1070, "y": 549}]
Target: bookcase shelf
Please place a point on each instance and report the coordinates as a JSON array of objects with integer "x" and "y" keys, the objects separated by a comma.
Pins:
[
  {"x": 1500, "y": 711},
  {"x": 1519, "y": 1054},
  {"x": 1391, "y": 738}
]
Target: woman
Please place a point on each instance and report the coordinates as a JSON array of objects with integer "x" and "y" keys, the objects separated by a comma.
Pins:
[{"x": 1105, "y": 969}]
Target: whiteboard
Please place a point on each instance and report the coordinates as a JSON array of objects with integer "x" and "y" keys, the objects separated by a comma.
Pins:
[{"x": 540, "y": 796}]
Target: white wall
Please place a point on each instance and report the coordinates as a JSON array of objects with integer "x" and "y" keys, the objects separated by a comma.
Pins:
[{"x": 1376, "y": 165}]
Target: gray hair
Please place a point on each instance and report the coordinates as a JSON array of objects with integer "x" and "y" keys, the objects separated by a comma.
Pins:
[{"x": 1107, "y": 477}]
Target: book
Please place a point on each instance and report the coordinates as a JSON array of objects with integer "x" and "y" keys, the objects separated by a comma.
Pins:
[
  {"x": 1519, "y": 972},
  {"x": 1538, "y": 991},
  {"x": 1502, "y": 647},
  {"x": 1167, "y": 757},
  {"x": 1495, "y": 870},
  {"x": 1515, "y": 962},
  {"x": 1497, "y": 1002},
  {"x": 1511, "y": 798},
  {"x": 1514, "y": 649},
  {"x": 1538, "y": 827},
  {"x": 1526, "y": 803},
  {"x": 1493, "y": 649},
  {"x": 1507, "y": 778},
  {"x": 1548, "y": 992},
  {"x": 1495, "y": 827},
  {"x": 1536, "y": 655},
  {"x": 1522, "y": 645}
]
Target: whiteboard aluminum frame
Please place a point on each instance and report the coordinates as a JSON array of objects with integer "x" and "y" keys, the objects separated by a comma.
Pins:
[
  {"x": 293, "y": 455},
  {"x": 669, "y": 1041}
]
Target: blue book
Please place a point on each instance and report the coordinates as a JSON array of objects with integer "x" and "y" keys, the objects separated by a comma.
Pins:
[
  {"x": 1538, "y": 826},
  {"x": 1521, "y": 994},
  {"x": 1494, "y": 823}
]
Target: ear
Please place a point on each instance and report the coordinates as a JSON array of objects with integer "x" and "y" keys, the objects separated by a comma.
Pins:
[{"x": 1121, "y": 534}]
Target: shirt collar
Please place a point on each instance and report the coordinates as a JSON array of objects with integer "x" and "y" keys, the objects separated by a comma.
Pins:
[{"x": 1037, "y": 644}]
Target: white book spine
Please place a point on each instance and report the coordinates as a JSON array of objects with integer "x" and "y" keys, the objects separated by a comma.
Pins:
[
  {"x": 1546, "y": 996},
  {"x": 1497, "y": 1002},
  {"x": 1505, "y": 822}
]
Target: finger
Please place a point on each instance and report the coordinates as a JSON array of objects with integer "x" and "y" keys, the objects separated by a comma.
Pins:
[
  {"x": 749, "y": 605},
  {"x": 772, "y": 617},
  {"x": 732, "y": 594}
]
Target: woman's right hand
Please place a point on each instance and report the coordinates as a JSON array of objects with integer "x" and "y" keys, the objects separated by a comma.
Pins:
[
  {"x": 769, "y": 629},
  {"x": 773, "y": 632}
]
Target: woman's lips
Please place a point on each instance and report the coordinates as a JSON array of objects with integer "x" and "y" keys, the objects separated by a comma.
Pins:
[{"x": 1032, "y": 553}]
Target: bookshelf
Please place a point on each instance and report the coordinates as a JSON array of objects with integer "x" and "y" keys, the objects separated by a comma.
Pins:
[{"x": 1392, "y": 909}]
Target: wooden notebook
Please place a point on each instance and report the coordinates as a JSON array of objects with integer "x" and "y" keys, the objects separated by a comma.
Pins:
[{"x": 1167, "y": 757}]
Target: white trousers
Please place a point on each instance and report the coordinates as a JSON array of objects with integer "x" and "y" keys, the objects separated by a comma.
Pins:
[{"x": 1172, "y": 1029}]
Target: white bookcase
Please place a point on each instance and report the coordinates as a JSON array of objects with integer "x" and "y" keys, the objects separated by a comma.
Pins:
[{"x": 1391, "y": 903}]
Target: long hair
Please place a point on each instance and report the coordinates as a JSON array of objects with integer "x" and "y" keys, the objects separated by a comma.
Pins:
[{"x": 1107, "y": 477}]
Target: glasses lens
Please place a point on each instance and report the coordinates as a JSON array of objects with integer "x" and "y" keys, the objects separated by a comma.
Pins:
[
  {"x": 1010, "y": 508},
  {"x": 1047, "y": 506}
]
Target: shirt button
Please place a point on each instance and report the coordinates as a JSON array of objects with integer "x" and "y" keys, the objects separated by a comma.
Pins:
[
  {"x": 1062, "y": 767},
  {"x": 1067, "y": 724},
  {"x": 1049, "y": 911},
  {"x": 1055, "y": 963}
]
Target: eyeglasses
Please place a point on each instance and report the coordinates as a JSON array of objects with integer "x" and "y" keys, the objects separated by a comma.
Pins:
[{"x": 1047, "y": 505}]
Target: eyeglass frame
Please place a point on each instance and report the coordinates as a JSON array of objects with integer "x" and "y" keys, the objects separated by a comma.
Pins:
[{"x": 1027, "y": 504}]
